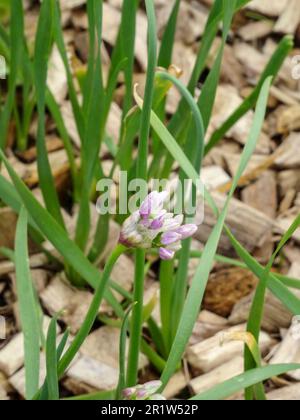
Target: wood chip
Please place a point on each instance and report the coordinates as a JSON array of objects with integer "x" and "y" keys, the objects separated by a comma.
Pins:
[
  {"x": 240, "y": 216},
  {"x": 222, "y": 373},
  {"x": 263, "y": 6},
  {"x": 18, "y": 379},
  {"x": 57, "y": 78},
  {"x": 211, "y": 353},
  {"x": 3, "y": 394},
  {"x": 276, "y": 315},
  {"x": 226, "y": 287},
  {"x": 289, "y": 180},
  {"x": 256, "y": 30},
  {"x": 207, "y": 325},
  {"x": 289, "y": 156},
  {"x": 289, "y": 350},
  {"x": 12, "y": 355},
  {"x": 39, "y": 278},
  {"x": 227, "y": 101},
  {"x": 60, "y": 296},
  {"x": 103, "y": 346},
  {"x": 289, "y": 19},
  {"x": 175, "y": 385},
  {"x": 288, "y": 393},
  {"x": 288, "y": 119},
  {"x": 284, "y": 222},
  {"x": 69, "y": 120},
  {"x": 8, "y": 221},
  {"x": 262, "y": 195},
  {"x": 97, "y": 375},
  {"x": 71, "y": 4},
  {"x": 214, "y": 177}
]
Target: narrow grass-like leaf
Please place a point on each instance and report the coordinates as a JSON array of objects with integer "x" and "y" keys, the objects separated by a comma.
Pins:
[
  {"x": 42, "y": 395},
  {"x": 41, "y": 57},
  {"x": 96, "y": 396},
  {"x": 274, "y": 284},
  {"x": 122, "y": 354},
  {"x": 59, "y": 40},
  {"x": 93, "y": 136},
  {"x": 238, "y": 383},
  {"x": 256, "y": 312},
  {"x": 28, "y": 308},
  {"x": 51, "y": 362},
  {"x": 167, "y": 42}
]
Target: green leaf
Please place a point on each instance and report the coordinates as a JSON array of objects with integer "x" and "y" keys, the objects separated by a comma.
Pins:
[
  {"x": 41, "y": 57},
  {"x": 59, "y": 40},
  {"x": 238, "y": 383},
  {"x": 256, "y": 312},
  {"x": 168, "y": 39},
  {"x": 51, "y": 363},
  {"x": 28, "y": 308},
  {"x": 122, "y": 354}
]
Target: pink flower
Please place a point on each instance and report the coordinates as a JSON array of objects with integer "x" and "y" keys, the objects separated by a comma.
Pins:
[
  {"x": 153, "y": 227},
  {"x": 148, "y": 391}
]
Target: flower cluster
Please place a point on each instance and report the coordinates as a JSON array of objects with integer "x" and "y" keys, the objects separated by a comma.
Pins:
[
  {"x": 148, "y": 391},
  {"x": 153, "y": 227}
]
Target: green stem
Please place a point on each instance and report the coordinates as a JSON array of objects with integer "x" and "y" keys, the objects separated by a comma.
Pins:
[
  {"x": 137, "y": 319},
  {"x": 166, "y": 286}
]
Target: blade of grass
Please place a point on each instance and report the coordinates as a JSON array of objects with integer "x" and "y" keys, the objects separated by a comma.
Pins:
[
  {"x": 168, "y": 38},
  {"x": 93, "y": 135},
  {"x": 96, "y": 396},
  {"x": 59, "y": 40},
  {"x": 275, "y": 284},
  {"x": 42, "y": 395},
  {"x": 238, "y": 383},
  {"x": 256, "y": 312},
  {"x": 122, "y": 353},
  {"x": 28, "y": 310},
  {"x": 41, "y": 57},
  {"x": 51, "y": 362}
]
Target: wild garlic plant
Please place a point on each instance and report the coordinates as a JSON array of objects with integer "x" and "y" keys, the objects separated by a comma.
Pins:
[{"x": 149, "y": 231}]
